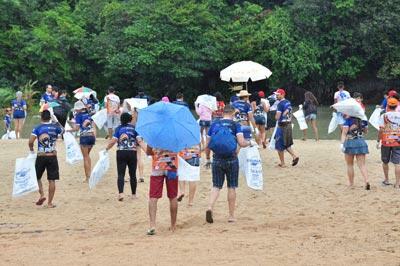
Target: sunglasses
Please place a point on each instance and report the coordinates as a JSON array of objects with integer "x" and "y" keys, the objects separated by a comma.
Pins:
[{"x": 8, "y": 110}]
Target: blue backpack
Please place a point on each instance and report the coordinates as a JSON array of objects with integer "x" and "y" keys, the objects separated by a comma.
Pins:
[{"x": 223, "y": 143}]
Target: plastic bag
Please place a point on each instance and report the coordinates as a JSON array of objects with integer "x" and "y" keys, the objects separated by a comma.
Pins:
[
  {"x": 300, "y": 119},
  {"x": 99, "y": 170},
  {"x": 9, "y": 135},
  {"x": 374, "y": 119},
  {"x": 272, "y": 142},
  {"x": 100, "y": 118},
  {"x": 333, "y": 124},
  {"x": 250, "y": 166},
  {"x": 187, "y": 172},
  {"x": 350, "y": 107},
  {"x": 72, "y": 149},
  {"x": 25, "y": 180}
]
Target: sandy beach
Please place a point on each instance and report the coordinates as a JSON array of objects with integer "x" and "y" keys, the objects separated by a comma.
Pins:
[{"x": 306, "y": 215}]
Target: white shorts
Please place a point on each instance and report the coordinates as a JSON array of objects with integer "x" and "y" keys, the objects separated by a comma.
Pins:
[{"x": 113, "y": 121}]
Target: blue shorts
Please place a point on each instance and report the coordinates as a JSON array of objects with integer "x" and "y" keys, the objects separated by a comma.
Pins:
[
  {"x": 87, "y": 140},
  {"x": 246, "y": 132},
  {"x": 19, "y": 115},
  {"x": 228, "y": 168},
  {"x": 283, "y": 137},
  {"x": 311, "y": 117},
  {"x": 356, "y": 146},
  {"x": 260, "y": 120},
  {"x": 204, "y": 123}
]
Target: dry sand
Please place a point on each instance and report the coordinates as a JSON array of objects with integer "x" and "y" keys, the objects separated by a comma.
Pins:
[{"x": 305, "y": 216}]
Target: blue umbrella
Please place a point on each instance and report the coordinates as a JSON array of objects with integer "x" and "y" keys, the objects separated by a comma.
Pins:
[{"x": 168, "y": 126}]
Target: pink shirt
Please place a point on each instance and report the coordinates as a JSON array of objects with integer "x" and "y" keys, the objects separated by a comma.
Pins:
[{"x": 204, "y": 113}]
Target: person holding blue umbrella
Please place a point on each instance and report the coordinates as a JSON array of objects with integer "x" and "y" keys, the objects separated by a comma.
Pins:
[{"x": 167, "y": 129}]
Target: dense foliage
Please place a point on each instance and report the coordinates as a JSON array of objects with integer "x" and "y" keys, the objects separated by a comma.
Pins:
[{"x": 165, "y": 46}]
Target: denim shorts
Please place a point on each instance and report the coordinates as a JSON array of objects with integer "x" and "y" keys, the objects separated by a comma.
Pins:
[
  {"x": 204, "y": 123},
  {"x": 311, "y": 117},
  {"x": 260, "y": 120},
  {"x": 87, "y": 140},
  {"x": 228, "y": 168}
]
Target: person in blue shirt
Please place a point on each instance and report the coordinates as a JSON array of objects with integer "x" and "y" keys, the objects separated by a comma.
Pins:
[
  {"x": 224, "y": 166},
  {"x": 244, "y": 114},
  {"x": 18, "y": 106},
  {"x": 87, "y": 135},
  {"x": 7, "y": 120},
  {"x": 284, "y": 135},
  {"x": 46, "y": 134},
  {"x": 47, "y": 96},
  {"x": 180, "y": 100},
  {"x": 128, "y": 142}
]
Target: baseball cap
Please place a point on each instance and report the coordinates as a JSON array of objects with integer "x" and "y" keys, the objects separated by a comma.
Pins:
[
  {"x": 79, "y": 105},
  {"x": 280, "y": 91},
  {"x": 392, "y": 102},
  {"x": 392, "y": 93},
  {"x": 261, "y": 94}
]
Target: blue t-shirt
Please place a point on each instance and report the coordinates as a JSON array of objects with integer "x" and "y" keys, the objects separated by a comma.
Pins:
[
  {"x": 84, "y": 120},
  {"x": 7, "y": 121},
  {"x": 181, "y": 103},
  {"x": 18, "y": 107},
  {"x": 234, "y": 127},
  {"x": 244, "y": 109},
  {"x": 233, "y": 99},
  {"x": 283, "y": 106},
  {"x": 384, "y": 103},
  {"x": 127, "y": 137},
  {"x": 356, "y": 131},
  {"x": 46, "y": 97},
  {"x": 46, "y": 134}
]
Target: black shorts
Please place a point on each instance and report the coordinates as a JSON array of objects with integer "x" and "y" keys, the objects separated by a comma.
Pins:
[{"x": 48, "y": 163}]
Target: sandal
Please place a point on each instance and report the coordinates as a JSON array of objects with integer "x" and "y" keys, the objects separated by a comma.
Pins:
[
  {"x": 295, "y": 161},
  {"x": 151, "y": 232},
  {"x": 209, "y": 217},
  {"x": 367, "y": 186},
  {"x": 40, "y": 201},
  {"x": 180, "y": 197},
  {"x": 386, "y": 183}
]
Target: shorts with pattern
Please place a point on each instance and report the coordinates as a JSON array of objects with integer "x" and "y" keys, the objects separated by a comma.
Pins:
[
  {"x": 225, "y": 168},
  {"x": 390, "y": 154}
]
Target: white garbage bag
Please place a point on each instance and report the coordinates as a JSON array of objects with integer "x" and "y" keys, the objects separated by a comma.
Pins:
[
  {"x": 9, "y": 135},
  {"x": 250, "y": 166},
  {"x": 299, "y": 115},
  {"x": 100, "y": 118},
  {"x": 350, "y": 107},
  {"x": 272, "y": 142},
  {"x": 99, "y": 170},
  {"x": 374, "y": 119},
  {"x": 208, "y": 101},
  {"x": 333, "y": 124},
  {"x": 25, "y": 180},
  {"x": 72, "y": 149},
  {"x": 187, "y": 172},
  {"x": 137, "y": 103}
]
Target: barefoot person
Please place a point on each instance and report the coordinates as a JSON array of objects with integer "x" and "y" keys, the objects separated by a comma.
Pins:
[
  {"x": 192, "y": 157},
  {"x": 18, "y": 106},
  {"x": 389, "y": 136},
  {"x": 310, "y": 112},
  {"x": 284, "y": 136},
  {"x": 354, "y": 146},
  {"x": 128, "y": 141},
  {"x": 87, "y": 135},
  {"x": 164, "y": 167},
  {"x": 46, "y": 134},
  {"x": 225, "y": 163},
  {"x": 7, "y": 120}
]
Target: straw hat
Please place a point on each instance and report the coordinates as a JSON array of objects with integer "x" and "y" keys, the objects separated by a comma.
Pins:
[
  {"x": 243, "y": 93},
  {"x": 79, "y": 105}
]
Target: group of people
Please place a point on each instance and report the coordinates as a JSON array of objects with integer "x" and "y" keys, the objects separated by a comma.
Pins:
[{"x": 242, "y": 122}]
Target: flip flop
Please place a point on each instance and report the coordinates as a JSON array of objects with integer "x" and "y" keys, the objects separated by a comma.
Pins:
[
  {"x": 180, "y": 197},
  {"x": 209, "y": 217},
  {"x": 295, "y": 161},
  {"x": 40, "y": 201},
  {"x": 50, "y": 207},
  {"x": 151, "y": 232},
  {"x": 367, "y": 186}
]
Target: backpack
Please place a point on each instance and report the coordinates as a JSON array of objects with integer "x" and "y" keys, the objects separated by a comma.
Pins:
[{"x": 223, "y": 142}]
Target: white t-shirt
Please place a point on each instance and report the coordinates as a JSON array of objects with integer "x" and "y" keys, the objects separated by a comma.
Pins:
[
  {"x": 392, "y": 117},
  {"x": 112, "y": 103},
  {"x": 341, "y": 95}
]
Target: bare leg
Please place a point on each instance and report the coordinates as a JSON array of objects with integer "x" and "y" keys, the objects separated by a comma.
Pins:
[
  {"x": 291, "y": 152},
  {"x": 304, "y": 134},
  {"x": 350, "y": 168},
  {"x": 192, "y": 191},
  {"x": 21, "y": 125},
  {"x": 281, "y": 155},
  {"x": 40, "y": 184},
  {"x": 140, "y": 165},
  {"x": 152, "y": 212},
  {"x": 385, "y": 168},
  {"x": 397, "y": 172},
  {"x": 173, "y": 208},
  {"x": 213, "y": 197},
  {"x": 110, "y": 132},
  {"x": 201, "y": 138},
  {"x": 315, "y": 128},
  {"x": 52, "y": 190},
  {"x": 362, "y": 166},
  {"x": 182, "y": 187},
  {"x": 231, "y": 203},
  {"x": 262, "y": 135},
  {"x": 87, "y": 164},
  {"x": 16, "y": 125}
]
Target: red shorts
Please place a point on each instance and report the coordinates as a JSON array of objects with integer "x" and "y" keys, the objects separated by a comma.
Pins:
[{"x": 156, "y": 187}]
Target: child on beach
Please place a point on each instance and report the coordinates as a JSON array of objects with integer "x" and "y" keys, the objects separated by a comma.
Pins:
[
  {"x": 7, "y": 120},
  {"x": 192, "y": 157}
]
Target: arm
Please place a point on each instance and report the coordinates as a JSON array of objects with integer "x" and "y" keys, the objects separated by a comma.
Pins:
[
  {"x": 241, "y": 141},
  {"x": 149, "y": 150},
  {"x": 208, "y": 151},
  {"x": 251, "y": 119},
  {"x": 278, "y": 115},
  {"x": 266, "y": 106},
  {"x": 111, "y": 143},
  {"x": 74, "y": 128},
  {"x": 142, "y": 144},
  {"x": 344, "y": 133},
  {"x": 31, "y": 142}
]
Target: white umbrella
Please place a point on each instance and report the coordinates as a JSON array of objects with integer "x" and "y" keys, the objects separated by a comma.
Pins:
[
  {"x": 245, "y": 70},
  {"x": 208, "y": 101}
]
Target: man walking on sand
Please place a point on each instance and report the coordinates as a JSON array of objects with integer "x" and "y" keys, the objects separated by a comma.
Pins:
[
  {"x": 284, "y": 132},
  {"x": 223, "y": 137},
  {"x": 389, "y": 135},
  {"x": 112, "y": 103},
  {"x": 46, "y": 133}
]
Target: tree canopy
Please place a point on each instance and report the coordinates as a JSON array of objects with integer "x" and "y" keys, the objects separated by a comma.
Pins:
[{"x": 166, "y": 46}]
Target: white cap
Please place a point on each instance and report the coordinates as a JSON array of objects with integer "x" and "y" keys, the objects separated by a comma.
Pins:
[{"x": 79, "y": 105}]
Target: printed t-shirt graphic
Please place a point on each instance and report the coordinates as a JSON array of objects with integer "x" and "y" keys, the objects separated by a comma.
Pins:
[
  {"x": 46, "y": 134},
  {"x": 244, "y": 109},
  {"x": 127, "y": 137},
  {"x": 164, "y": 161},
  {"x": 390, "y": 126},
  {"x": 283, "y": 106},
  {"x": 84, "y": 120}
]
